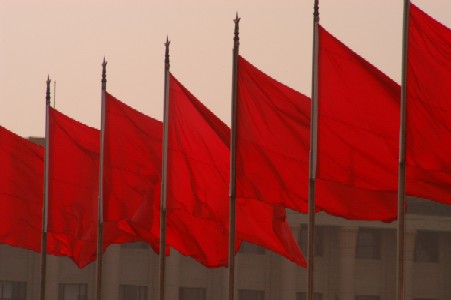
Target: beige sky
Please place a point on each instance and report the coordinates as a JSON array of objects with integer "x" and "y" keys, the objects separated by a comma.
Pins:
[{"x": 68, "y": 39}]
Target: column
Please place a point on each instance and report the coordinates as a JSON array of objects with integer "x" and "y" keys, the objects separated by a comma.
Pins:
[
  {"x": 225, "y": 282},
  {"x": 173, "y": 275},
  {"x": 110, "y": 273},
  {"x": 288, "y": 280},
  {"x": 52, "y": 277},
  {"x": 409, "y": 248},
  {"x": 153, "y": 275},
  {"x": 445, "y": 265},
  {"x": 347, "y": 238}
]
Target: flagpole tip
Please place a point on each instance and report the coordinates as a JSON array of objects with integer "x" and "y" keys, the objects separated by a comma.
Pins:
[
  {"x": 236, "y": 38},
  {"x": 104, "y": 63},
  {"x": 166, "y": 53},
  {"x": 47, "y": 93},
  {"x": 316, "y": 11},
  {"x": 237, "y": 18},
  {"x": 167, "y": 43}
]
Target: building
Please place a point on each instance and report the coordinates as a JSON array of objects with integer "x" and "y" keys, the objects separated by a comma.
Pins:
[{"x": 354, "y": 261}]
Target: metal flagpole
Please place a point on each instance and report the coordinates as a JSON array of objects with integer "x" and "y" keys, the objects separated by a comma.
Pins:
[
  {"x": 313, "y": 158},
  {"x": 164, "y": 172},
  {"x": 100, "y": 202},
  {"x": 232, "y": 192},
  {"x": 46, "y": 193},
  {"x": 402, "y": 158}
]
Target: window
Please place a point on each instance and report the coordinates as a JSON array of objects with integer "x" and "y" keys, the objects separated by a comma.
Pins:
[
  {"x": 426, "y": 246},
  {"x": 251, "y": 295},
  {"x": 136, "y": 245},
  {"x": 303, "y": 239},
  {"x": 192, "y": 293},
  {"x": 132, "y": 292},
  {"x": 72, "y": 291},
  {"x": 368, "y": 244},
  {"x": 13, "y": 290},
  {"x": 367, "y": 297},
  {"x": 303, "y": 296},
  {"x": 249, "y": 248}
]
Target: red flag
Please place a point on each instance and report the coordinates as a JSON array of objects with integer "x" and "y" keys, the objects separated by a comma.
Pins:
[
  {"x": 21, "y": 191},
  {"x": 197, "y": 174},
  {"x": 73, "y": 189},
  {"x": 132, "y": 177},
  {"x": 199, "y": 151},
  {"x": 358, "y": 137},
  {"x": 428, "y": 126},
  {"x": 200, "y": 238},
  {"x": 273, "y": 140}
]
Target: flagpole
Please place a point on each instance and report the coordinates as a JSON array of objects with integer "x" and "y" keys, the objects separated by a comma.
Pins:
[
  {"x": 402, "y": 158},
  {"x": 100, "y": 201},
  {"x": 232, "y": 192},
  {"x": 164, "y": 172},
  {"x": 46, "y": 193},
  {"x": 313, "y": 158}
]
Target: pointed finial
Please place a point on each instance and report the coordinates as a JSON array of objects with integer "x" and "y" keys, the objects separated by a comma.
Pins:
[
  {"x": 47, "y": 94},
  {"x": 166, "y": 53},
  {"x": 236, "y": 38},
  {"x": 316, "y": 12},
  {"x": 104, "y": 63}
]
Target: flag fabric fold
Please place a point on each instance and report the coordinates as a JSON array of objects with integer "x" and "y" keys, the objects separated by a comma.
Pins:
[
  {"x": 73, "y": 189},
  {"x": 267, "y": 226},
  {"x": 132, "y": 168},
  {"x": 199, "y": 175},
  {"x": 358, "y": 135},
  {"x": 428, "y": 125},
  {"x": 21, "y": 191},
  {"x": 273, "y": 140}
]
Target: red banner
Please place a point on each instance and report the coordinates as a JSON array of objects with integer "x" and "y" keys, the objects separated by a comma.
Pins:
[
  {"x": 21, "y": 191},
  {"x": 273, "y": 140},
  {"x": 358, "y": 125},
  {"x": 428, "y": 126},
  {"x": 131, "y": 175},
  {"x": 200, "y": 167},
  {"x": 73, "y": 189}
]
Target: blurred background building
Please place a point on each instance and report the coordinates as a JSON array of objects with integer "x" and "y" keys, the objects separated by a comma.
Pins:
[{"x": 354, "y": 261}]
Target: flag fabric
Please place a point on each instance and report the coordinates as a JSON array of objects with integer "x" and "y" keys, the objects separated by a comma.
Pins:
[
  {"x": 200, "y": 238},
  {"x": 273, "y": 140},
  {"x": 267, "y": 226},
  {"x": 132, "y": 175},
  {"x": 73, "y": 189},
  {"x": 199, "y": 172},
  {"x": 197, "y": 175},
  {"x": 358, "y": 135},
  {"x": 21, "y": 191},
  {"x": 428, "y": 125}
]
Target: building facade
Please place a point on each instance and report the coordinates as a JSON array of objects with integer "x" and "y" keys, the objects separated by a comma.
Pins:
[{"x": 354, "y": 261}]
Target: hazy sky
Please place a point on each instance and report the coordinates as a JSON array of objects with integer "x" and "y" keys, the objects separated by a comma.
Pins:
[{"x": 68, "y": 40}]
